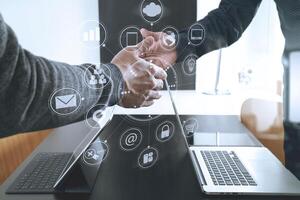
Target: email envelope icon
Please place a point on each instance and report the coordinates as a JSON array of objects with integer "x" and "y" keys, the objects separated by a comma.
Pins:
[{"x": 66, "y": 101}]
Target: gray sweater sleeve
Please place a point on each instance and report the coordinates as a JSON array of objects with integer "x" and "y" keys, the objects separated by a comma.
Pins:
[{"x": 28, "y": 81}]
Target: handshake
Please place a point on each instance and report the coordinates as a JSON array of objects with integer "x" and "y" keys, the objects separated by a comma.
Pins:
[{"x": 144, "y": 69}]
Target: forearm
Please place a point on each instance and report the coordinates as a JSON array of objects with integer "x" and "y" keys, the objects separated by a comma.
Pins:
[
  {"x": 27, "y": 83},
  {"x": 223, "y": 26}
]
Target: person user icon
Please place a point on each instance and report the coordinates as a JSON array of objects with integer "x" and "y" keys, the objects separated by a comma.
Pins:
[{"x": 93, "y": 80}]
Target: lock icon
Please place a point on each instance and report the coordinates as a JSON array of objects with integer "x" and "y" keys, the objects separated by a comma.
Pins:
[{"x": 165, "y": 132}]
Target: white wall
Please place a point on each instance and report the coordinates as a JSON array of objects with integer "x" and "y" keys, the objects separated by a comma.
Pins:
[{"x": 50, "y": 28}]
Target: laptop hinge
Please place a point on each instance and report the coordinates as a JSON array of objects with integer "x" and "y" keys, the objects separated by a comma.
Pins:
[{"x": 198, "y": 169}]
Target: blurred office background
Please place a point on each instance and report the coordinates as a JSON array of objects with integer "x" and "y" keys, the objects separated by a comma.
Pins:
[
  {"x": 252, "y": 63},
  {"x": 250, "y": 67}
]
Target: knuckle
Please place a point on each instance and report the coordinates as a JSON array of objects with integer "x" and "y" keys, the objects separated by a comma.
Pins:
[
  {"x": 142, "y": 99},
  {"x": 151, "y": 84}
]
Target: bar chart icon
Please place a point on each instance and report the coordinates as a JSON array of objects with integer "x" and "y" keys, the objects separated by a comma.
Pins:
[{"x": 92, "y": 35}]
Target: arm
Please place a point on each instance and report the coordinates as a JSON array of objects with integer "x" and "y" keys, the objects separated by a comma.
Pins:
[
  {"x": 223, "y": 26},
  {"x": 28, "y": 81}
]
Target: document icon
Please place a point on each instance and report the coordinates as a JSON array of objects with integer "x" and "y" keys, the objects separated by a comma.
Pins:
[
  {"x": 148, "y": 158},
  {"x": 65, "y": 101}
]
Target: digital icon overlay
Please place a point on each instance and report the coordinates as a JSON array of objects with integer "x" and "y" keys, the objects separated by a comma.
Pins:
[
  {"x": 65, "y": 101},
  {"x": 148, "y": 157},
  {"x": 131, "y": 139},
  {"x": 130, "y": 37},
  {"x": 96, "y": 153},
  {"x": 165, "y": 131},
  {"x": 97, "y": 76},
  {"x": 196, "y": 34},
  {"x": 151, "y": 10},
  {"x": 95, "y": 114},
  {"x": 190, "y": 126},
  {"x": 169, "y": 38},
  {"x": 93, "y": 34},
  {"x": 189, "y": 65}
]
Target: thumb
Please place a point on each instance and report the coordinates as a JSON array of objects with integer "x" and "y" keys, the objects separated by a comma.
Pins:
[
  {"x": 157, "y": 72},
  {"x": 145, "y": 33},
  {"x": 145, "y": 45}
]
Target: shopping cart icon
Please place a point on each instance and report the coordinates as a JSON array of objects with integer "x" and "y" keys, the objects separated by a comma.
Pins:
[{"x": 190, "y": 127}]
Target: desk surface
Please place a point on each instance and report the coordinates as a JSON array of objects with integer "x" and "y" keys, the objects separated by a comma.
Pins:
[
  {"x": 120, "y": 177},
  {"x": 196, "y": 103}
]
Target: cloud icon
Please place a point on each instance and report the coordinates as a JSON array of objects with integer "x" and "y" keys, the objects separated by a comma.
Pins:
[{"x": 152, "y": 10}]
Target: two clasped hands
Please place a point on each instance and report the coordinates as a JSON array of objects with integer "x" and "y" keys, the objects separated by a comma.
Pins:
[{"x": 144, "y": 69}]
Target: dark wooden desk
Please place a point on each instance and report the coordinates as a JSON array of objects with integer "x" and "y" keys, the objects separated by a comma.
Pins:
[{"x": 120, "y": 177}]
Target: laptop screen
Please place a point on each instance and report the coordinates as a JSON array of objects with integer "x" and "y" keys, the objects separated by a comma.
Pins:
[
  {"x": 103, "y": 118},
  {"x": 181, "y": 130}
]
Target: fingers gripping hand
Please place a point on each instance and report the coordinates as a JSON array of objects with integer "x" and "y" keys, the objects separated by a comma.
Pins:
[
  {"x": 145, "y": 76},
  {"x": 161, "y": 56},
  {"x": 142, "y": 78}
]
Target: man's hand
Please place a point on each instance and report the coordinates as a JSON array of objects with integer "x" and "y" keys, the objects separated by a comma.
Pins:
[
  {"x": 158, "y": 53},
  {"x": 142, "y": 78},
  {"x": 131, "y": 100}
]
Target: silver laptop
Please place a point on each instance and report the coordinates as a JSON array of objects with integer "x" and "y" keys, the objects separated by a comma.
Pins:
[{"x": 240, "y": 170}]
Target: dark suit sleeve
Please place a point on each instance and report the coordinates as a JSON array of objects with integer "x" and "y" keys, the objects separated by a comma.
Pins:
[
  {"x": 28, "y": 81},
  {"x": 223, "y": 26}
]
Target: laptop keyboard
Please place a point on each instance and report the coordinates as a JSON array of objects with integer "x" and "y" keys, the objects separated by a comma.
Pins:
[
  {"x": 41, "y": 173},
  {"x": 225, "y": 168}
]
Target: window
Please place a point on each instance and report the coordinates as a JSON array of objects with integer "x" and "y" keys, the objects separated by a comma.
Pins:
[{"x": 251, "y": 64}]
